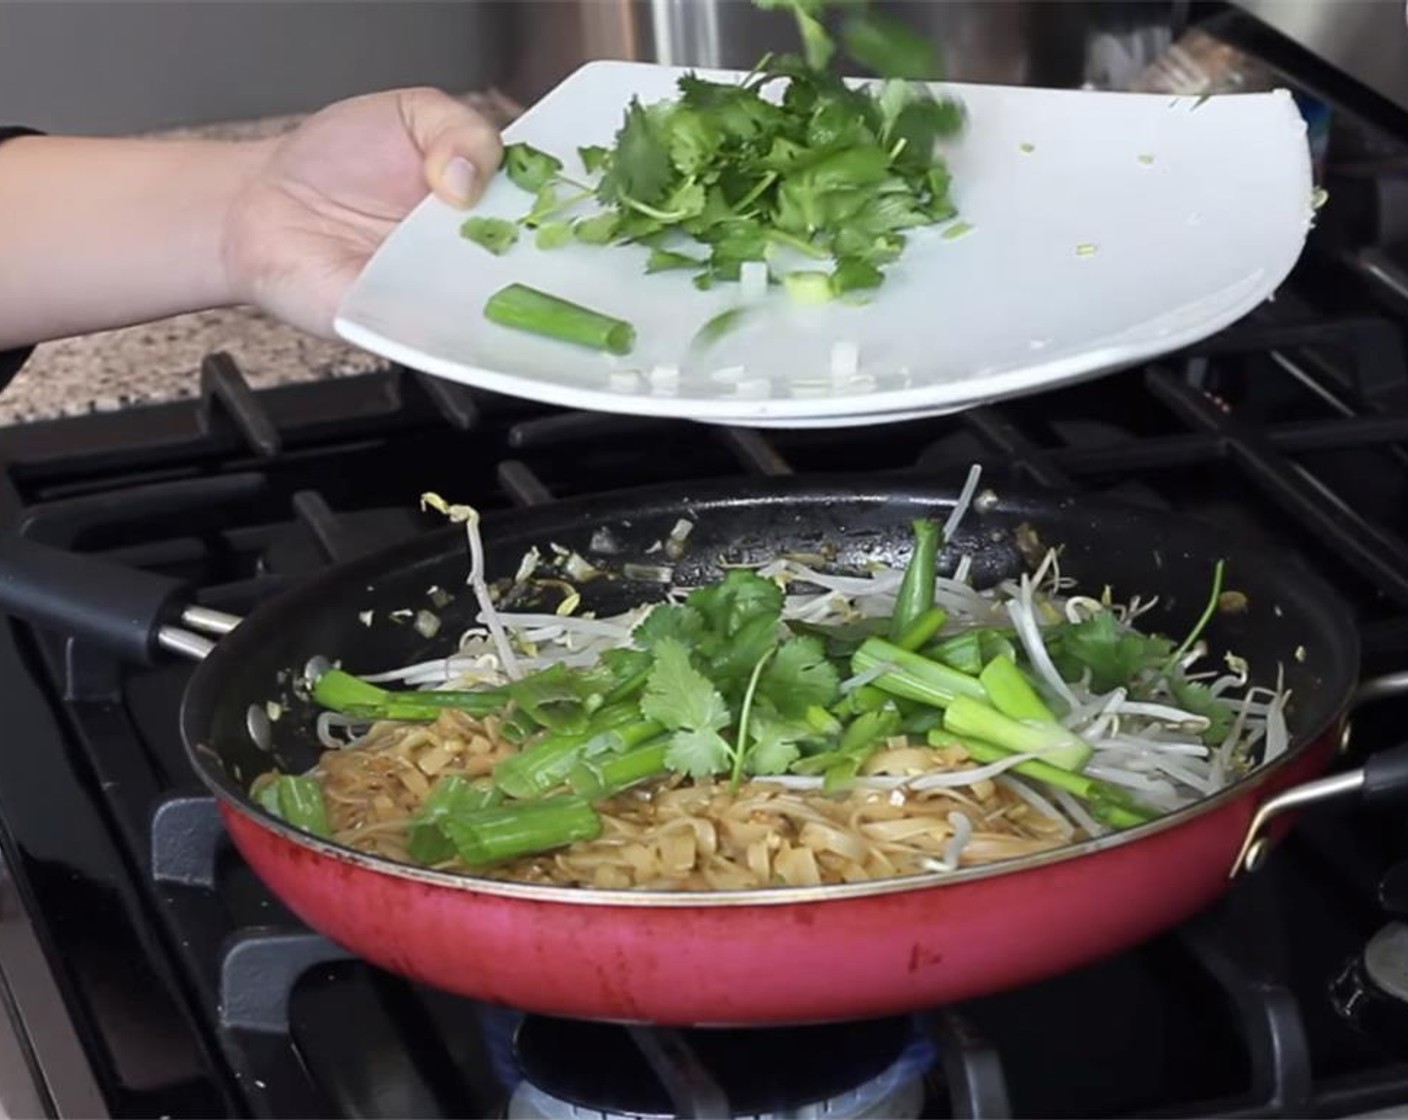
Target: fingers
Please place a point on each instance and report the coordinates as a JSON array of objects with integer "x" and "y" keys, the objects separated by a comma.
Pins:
[{"x": 461, "y": 149}]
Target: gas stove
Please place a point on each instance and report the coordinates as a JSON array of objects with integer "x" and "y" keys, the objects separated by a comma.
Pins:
[{"x": 145, "y": 971}]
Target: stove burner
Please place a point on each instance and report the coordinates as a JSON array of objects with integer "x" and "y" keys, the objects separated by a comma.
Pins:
[
  {"x": 1386, "y": 960},
  {"x": 572, "y": 1069},
  {"x": 1371, "y": 991}
]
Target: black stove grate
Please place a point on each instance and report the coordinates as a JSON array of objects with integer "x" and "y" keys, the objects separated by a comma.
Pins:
[{"x": 196, "y": 993}]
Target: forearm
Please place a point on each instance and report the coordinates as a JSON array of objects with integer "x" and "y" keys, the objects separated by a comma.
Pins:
[{"x": 97, "y": 234}]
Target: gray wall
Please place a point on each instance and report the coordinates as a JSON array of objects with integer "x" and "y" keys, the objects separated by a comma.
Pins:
[{"x": 112, "y": 66}]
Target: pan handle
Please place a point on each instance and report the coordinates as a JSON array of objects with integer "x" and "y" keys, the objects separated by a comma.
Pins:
[
  {"x": 133, "y": 613},
  {"x": 1382, "y": 778}
]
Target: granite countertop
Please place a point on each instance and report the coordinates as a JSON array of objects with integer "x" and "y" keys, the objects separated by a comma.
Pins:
[{"x": 159, "y": 361}]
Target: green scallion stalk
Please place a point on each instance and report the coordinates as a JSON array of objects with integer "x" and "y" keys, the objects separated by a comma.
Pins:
[
  {"x": 546, "y": 764},
  {"x": 1120, "y": 816},
  {"x": 912, "y": 676},
  {"x": 522, "y": 308},
  {"x": 807, "y": 289},
  {"x": 969, "y": 651},
  {"x": 595, "y": 780},
  {"x": 342, "y": 692},
  {"x": 1108, "y": 803},
  {"x": 922, "y": 629},
  {"x": 868, "y": 698},
  {"x": 508, "y": 831},
  {"x": 821, "y": 721},
  {"x": 858, "y": 742},
  {"x": 963, "y": 652},
  {"x": 1056, "y": 745},
  {"x": 452, "y": 795},
  {"x": 916, "y": 594},
  {"x": 1011, "y": 693}
]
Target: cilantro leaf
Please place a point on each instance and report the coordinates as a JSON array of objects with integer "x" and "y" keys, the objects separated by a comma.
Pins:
[
  {"x": 855, "y": 275},
  {"x": 663, "y": 260},
  {"x": 1197, "y": 698},
  {"x": 681, "y": 623},
  {"x": 816, "y": 41},
  {"x": 774, "y": 742},
  {"x": 494, "y": 234},
  {"x": 553, "y": 235},
  {"x": 772, "y": 755},
  {"x": 833, "y": 172},
  {"x": 733, "y": 656},
  {"x": 694, "y": 139},
  {"x": 889, "y": 47},
  {"x": 741, "y": 595},
  {"x": 799, "y": 677},
  {"x": 1113, "y": 656},
  {"x": 640, "y": 169},
  {"x": 544, "y": 204},
  {"x": 596, "y": 230},
  {"x": 594, "y": 158},
  {"x": 622, "y": 672},
  {"x": 698, "y": 753},
  {"x": 678, "y": 696},
  {"x": 839, "y": 122},
  {"x": 529, "y": 167}
]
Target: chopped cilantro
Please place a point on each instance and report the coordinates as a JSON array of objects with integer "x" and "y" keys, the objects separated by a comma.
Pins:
[
  {"x": 530, "y": 168},
  {"x": 494, "y": 234},
  {"x": 553, "y": 235},
  {"x": 800, "y": 677},
  {"x": 594, "y": 158},
  {"x": 1112, "y": 655},
  {"x": 727, "y": 605},
  {"x": 833, "y": 173},
  {"x": 678, "y": 696}
]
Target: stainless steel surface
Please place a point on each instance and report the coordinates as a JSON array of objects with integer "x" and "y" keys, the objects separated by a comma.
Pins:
[
  {"x": 1365, "y": 39},
  {"x": 685, "y": 32},
  {"x": 93, "y": 66},
  {"x": 43, "y": 1068},
  {"x": 1381, "y": 688},
  {"x": 1021, "y": 42},
  {"x": 204, "y": 620},
  {"x": 1255, "y": 845},
  {"x": 183, "y": 643},
  {"x": 1381, "y": 271}
]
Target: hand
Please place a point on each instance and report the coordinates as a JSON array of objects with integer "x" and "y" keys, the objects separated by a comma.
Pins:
[{"x": 319, "y": 201}]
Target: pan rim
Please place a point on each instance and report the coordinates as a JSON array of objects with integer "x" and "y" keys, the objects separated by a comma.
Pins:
[{"x": 795, "y": 488}]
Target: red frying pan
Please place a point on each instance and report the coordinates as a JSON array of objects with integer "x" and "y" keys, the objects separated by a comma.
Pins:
[{"x": 782, "y": 955}]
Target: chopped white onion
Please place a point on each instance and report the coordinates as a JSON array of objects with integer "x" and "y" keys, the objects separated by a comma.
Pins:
[
  {"x": 753, "y": 281},
  {"x": 845, "y": 361}
]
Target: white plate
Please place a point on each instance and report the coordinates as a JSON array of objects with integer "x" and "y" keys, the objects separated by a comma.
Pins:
[{"x": 1107, "y": 228}]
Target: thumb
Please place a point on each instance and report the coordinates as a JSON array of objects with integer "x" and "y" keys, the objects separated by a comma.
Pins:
[{"x": 461, "y": 149}]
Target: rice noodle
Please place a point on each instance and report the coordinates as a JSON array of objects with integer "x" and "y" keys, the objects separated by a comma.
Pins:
[{"x": 1038, "y": 802}]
